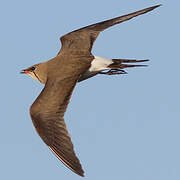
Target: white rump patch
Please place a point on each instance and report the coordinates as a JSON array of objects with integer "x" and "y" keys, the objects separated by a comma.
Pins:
[
  {"x": 97, "y": 65},
  {"x": 100, "y": 64}
]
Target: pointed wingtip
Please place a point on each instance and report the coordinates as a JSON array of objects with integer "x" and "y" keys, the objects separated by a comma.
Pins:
[
  {"x": 156, "y": 6},
  {"x": 152, "y": 8},
  {"x": 82, "y": 175},
  {"x": 79, "y": 171}
]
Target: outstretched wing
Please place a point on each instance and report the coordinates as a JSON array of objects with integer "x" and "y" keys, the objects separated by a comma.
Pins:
[
  {"x": 83, "y": 39},
  {"x": 47, "y": 115}
]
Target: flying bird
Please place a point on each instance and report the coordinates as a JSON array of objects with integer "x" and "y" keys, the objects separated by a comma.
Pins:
[{"x": 73, "y": 63}]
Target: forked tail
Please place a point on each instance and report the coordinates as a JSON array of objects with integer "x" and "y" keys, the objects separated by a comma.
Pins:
[{"x": 119, "y": 64}]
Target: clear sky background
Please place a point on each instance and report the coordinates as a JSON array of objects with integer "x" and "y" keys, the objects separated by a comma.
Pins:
[{"x": 122, "y": 127}]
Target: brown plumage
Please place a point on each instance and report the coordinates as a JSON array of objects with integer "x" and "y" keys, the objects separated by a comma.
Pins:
[{"x": 60, "y": 76}]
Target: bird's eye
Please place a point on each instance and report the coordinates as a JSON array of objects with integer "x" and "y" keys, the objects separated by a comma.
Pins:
[{"x": 33, "y": 68}]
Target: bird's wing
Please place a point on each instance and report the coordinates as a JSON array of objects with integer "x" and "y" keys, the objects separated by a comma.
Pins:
[
  {"x": 82, "y": 40},
  {"x": 47, "y": 115}
]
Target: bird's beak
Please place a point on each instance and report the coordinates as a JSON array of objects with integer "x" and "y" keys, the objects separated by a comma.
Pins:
[{"x": 24, "y": 71}]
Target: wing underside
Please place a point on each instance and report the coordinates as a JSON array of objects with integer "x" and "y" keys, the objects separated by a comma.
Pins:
[{"x": 47, "y": 115}]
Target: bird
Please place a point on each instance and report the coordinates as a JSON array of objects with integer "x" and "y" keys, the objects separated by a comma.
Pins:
[{"x": 72, "y": 64}]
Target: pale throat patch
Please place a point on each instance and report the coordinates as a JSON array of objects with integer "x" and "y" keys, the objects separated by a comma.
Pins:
[{"x": 33, "y": 76}]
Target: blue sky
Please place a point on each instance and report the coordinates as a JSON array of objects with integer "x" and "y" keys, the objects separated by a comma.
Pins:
[{"x": 123, "y": 127}]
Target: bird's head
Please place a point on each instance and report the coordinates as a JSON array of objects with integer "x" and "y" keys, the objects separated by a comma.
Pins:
[{"x": 37, "y": 72}]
